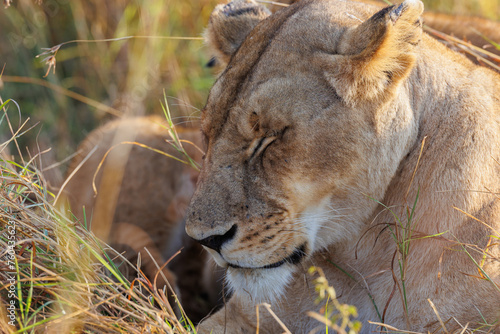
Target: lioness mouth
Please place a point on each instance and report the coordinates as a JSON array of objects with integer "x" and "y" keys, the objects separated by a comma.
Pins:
[{"x": 294, "y": 258}]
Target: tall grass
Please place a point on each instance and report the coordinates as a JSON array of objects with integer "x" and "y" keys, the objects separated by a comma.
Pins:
[
  {"x": 127, "y": 75},
  {"x": 59, "y": 281},
  {"x": 62, "y": 279},
  {"x": 56, "y": 277}
]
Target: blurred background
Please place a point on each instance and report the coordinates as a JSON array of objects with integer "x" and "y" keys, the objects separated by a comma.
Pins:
[
  {"x": 96, "y": 81},
  {"x": 111, "y": 78}
]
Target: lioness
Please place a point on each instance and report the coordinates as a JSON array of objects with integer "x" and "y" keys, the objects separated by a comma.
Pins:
[{"x": 330, "y": 119}]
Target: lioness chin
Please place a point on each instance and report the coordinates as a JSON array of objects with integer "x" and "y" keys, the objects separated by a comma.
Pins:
[{"x": 324, "y": 111}]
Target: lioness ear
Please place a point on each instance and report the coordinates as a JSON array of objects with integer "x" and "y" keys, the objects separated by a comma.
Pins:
[
  {"x": 374, "y": 57},
  {"x": 229, "y": 25}
]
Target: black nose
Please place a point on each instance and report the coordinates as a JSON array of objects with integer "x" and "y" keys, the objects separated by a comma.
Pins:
[{"x": 216, "y": 241}]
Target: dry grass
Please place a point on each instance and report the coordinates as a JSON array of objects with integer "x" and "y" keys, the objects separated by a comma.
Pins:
[{"x": 59, "y": 278}]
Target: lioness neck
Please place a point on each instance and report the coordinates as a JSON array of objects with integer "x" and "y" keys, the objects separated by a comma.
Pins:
[
  {"x": 450, "y": 95},
  {"x": 450, "y": 174}
]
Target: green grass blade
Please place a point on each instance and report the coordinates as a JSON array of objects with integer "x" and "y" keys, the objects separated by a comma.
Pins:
[
  {"x": 481, "y": 269},
  {"x": 19, "y": 293}
]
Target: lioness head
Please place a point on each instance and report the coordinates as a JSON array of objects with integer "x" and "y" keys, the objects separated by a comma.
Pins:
[{"x": 305, "y": 128}]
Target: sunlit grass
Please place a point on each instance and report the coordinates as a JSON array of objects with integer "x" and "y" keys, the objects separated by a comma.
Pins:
[
  {"x": 486, "y": 8},
  {"x": 59, "y": 277},
  {"x": 128, "y": 76}
]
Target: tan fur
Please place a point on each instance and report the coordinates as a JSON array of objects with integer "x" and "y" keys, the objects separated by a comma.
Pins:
[
  {"x": 141, "y": 201},
  {"x": 472, "y": 29},
  {"x": 317, "y": 118},
  {"x": 227, "y": 31}
]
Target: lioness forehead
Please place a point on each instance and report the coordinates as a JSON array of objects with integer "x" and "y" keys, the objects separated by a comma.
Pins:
[{"x": 280, "y": 46}]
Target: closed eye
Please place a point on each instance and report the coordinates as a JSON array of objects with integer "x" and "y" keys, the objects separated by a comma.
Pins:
[{"x": 258, "y": 145}]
